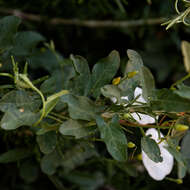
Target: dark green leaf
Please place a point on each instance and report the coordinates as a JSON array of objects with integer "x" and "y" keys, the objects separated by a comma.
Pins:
[
  {"x": 103, "y": 72},
  {"x": 114, "y": 138},
  {"x": 16, "y": 118},
  {"x": 111, "y": 91},
  {"x": 147, "y": 83},
  {"x": 183, "y": 91},
  {"x": 47, "y": 142},
  {"x": 177, "y": 155},
  {"x": 50, "y": 162},
  {"x": 25, "y": 42},
  {"x": 8, "y": 28},
  {"x": 17, "y": 99},
  {"x": 81, "y": 107},
  {"x": 87, "y": 181},
  {"x": 80, "y": 81},
  {"x": 166, "y": 100},
  {"x": 15, "y": 155},
  {"x": 46, "y": 60},
  {"x": 151, "y": 148},
  {"x": 144, "y": 78},
  {"x": 75, "y": 128},
  {"x": 77, "y": 155},
  {"x": 29, "y": 171}
]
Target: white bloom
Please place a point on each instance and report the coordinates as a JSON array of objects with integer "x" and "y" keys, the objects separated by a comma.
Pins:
[
  {"x": 160, "y": 170},
  {"x": 140, "y": 118}
]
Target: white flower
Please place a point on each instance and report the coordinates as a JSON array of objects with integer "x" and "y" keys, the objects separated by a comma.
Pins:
[
  {"x": 140, "y": 118},
  {"x": 160, "y": 170}
]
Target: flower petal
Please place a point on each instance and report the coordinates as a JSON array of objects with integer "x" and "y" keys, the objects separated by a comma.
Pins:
[
  {"x": 143, "y": 118},
  {"x": 138, "y": 91},
  {"x": 158, "y": 171}
]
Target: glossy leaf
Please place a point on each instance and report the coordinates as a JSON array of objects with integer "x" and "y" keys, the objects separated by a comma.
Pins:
[
  {"x": 151, "y": 148},
  {"x": 114, "y": 137}
]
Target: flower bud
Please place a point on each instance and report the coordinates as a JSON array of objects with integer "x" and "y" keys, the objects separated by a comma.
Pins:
[
  {"x": 178, "y": 148},
  {"x": 139, "y": 157},
  {"x": 131, "y": 145},
  {"x": 179, "y": 181},
  {"x": 181, "y": 127},
  {"x": 116, "y": 81},
  {"x": 126, "y": 116},
  {"x": 132, "y": 74}
]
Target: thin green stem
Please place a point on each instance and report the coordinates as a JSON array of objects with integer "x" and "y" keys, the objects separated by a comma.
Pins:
[
  {"x": 7, "y": 75},
  {"x": 59, "y": 115},
  {"x": 180, "y": 81},
  {"x": 54, "y": 118},
  {"x": 29, "y": 83},
  {"x": 142, "y": 131},
  {"x": 128, "y": 131},
  {"x": 37, "y": 81}
]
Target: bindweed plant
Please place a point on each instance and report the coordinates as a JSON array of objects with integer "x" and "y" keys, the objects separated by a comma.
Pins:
[{"x": 83, "y": 127}]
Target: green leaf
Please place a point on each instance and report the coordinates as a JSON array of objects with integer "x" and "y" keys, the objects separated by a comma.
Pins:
[
  {"x": 166, "y": 100},
  {"x": 16, "y": 118},
  {"x": 17, "y": 99},
  {"x": 147, "y": 83},
  {"x": 87, "y": 181},
  {"x": 114, "y": 138},
  {"x": 15, "y": 155},
  {"x": 103, "y": 72},
  {"x": 46, "y": 60},
  {"x": 8, "y": 28},
  {"x": 143, "y": 78},
  {"x": 80, "y": 82},
  {"x": 77, "y": 155},
  {"x": 29, "y": 171},
  {"x": 111, "y": 91},
  {"x": 25, "y": 42},
  {"x": 186, "y": 155},
  {"x": 183, "y": 91},
  {"x": 47, "y": 142},
  {"x": 177, "y": 155},
  {"x": 151, "y": 148},
  {"x": 50, "y": 162},
  {"x": 52, "y": 100},
  {"x": 81, "y": 107},
  {"x": 185, "y": 145},
  {"x": 75, "y": 128}
]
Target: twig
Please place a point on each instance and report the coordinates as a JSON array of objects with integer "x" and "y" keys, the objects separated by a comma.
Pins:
[{"x": 84, "y": 23}]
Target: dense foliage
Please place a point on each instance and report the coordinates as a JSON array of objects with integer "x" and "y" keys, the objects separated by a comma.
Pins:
[{"x": 65, "y": 121}]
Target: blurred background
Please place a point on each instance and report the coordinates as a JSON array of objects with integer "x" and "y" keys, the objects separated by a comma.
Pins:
[{"x": 93, "y": 28}]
